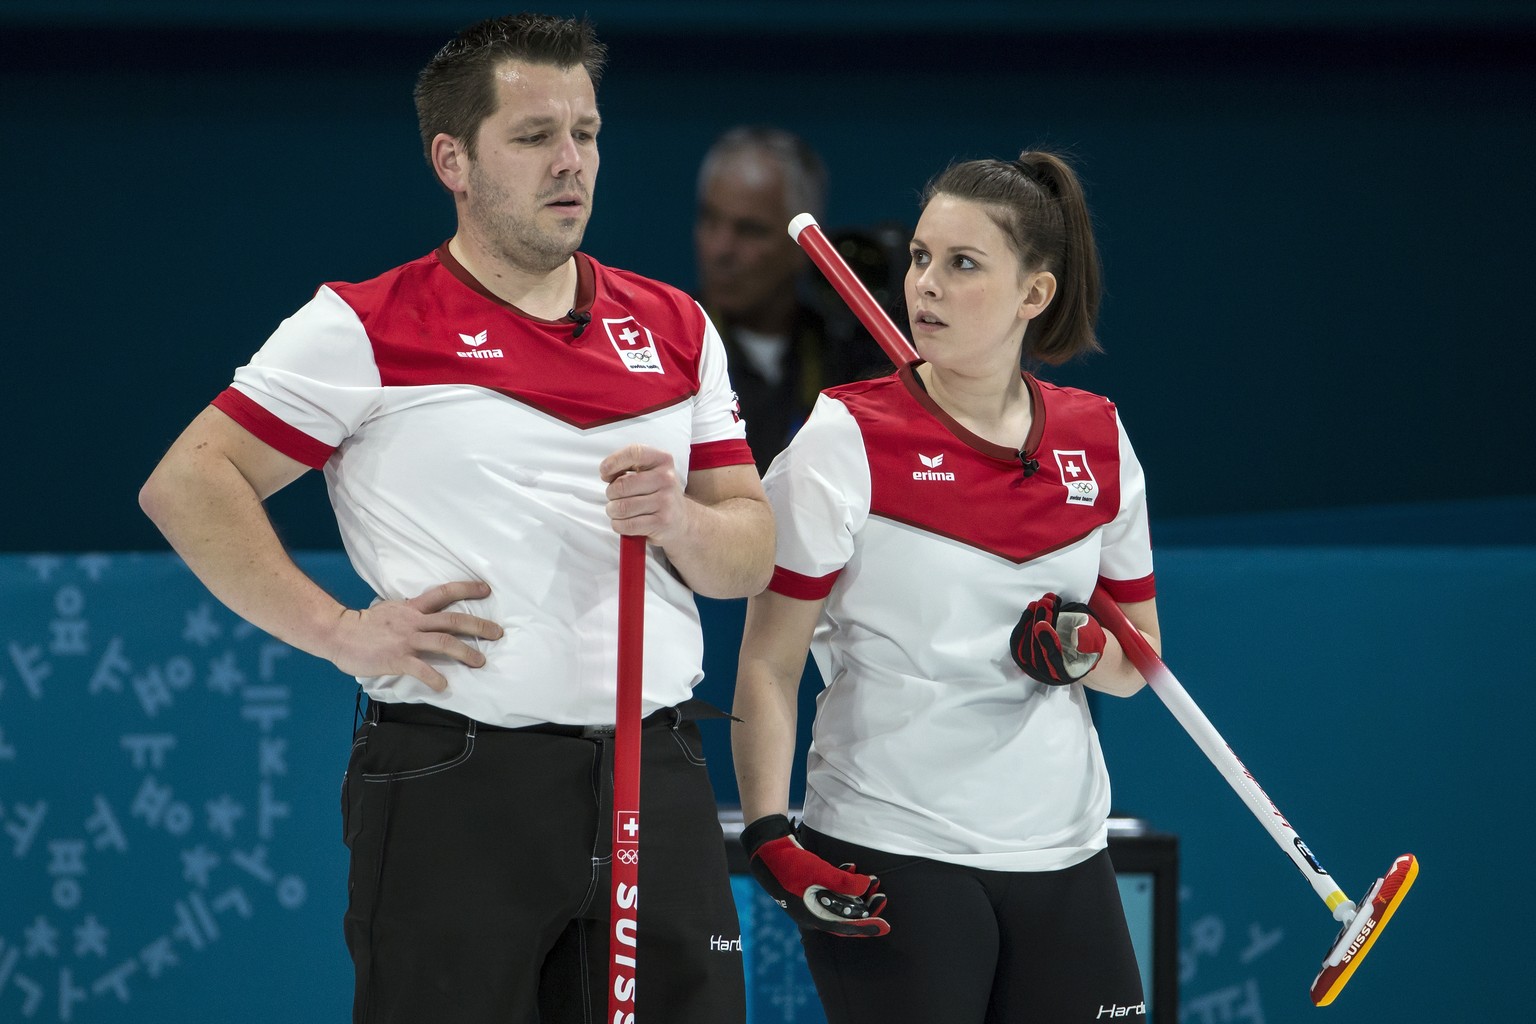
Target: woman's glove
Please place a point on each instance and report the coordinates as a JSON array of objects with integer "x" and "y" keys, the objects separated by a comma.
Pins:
[
  {"x": 1056, "y": 643},
  {"x": 816, "y": 894}
]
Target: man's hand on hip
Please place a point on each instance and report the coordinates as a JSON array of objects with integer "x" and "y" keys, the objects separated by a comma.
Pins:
[{"x": 392, "y": 637}]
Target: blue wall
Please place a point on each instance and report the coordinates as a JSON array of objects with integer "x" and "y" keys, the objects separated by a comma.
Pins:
[
  {"x": 1380, "y": 698},
  {"x": 1315, "y": 221},
  {"x": 169, "y": 781},
  {"x": 1315, "y": 218}
]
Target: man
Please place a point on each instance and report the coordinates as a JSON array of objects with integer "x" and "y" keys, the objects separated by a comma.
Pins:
[
  {"x": 781, "y": 353},
  {"x": 489, "y": 418}
]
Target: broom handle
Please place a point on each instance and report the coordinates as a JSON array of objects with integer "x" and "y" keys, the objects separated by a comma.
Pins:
[
  {"x": 1172, "y": 693},
  {"x": 624, "y": 938}
]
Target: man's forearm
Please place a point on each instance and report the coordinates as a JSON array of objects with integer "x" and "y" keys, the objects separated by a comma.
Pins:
[
  {"x": 728, "y": 549},
  {"x": 215, "y": 522}
]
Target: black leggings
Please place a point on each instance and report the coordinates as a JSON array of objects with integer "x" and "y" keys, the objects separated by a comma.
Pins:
[
  {"x": 969, "y": 946},
  {"x": 479, "y": 888}
]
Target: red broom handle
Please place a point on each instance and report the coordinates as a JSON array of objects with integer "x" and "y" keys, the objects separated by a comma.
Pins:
[
  {"x": 623, "y": 938},
  {"x": 804, "y": 230}
]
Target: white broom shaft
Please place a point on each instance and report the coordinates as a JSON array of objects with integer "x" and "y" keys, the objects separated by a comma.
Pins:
[{"x": 1172, "y": 693}]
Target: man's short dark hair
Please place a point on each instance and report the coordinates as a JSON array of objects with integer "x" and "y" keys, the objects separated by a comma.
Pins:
[{"x": 456, "y": 91}]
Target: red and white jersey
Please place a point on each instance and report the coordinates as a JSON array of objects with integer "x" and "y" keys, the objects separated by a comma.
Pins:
[
  {"x": 927, "y": 541},
  {"x": 460, "y": 440}
]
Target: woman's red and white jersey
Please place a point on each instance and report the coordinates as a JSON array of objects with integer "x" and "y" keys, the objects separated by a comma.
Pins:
[
  {"x": 460, "y": 440},
  {"x": 927, "y": 541}
]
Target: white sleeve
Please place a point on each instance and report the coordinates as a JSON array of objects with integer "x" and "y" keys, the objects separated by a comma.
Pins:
[
  {"x": 316, "y": 372},
  {"x": 715, "y": 416},
  {"x": 1126, "y": 553},
  {"x": 819, "y": 488}
]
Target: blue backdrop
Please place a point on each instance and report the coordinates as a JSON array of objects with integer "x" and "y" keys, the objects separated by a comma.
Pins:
[
  {"x": 170, "y": 842},
  {"x": 1315, "y": 216},
  {"x": 1315, "y": 221}
]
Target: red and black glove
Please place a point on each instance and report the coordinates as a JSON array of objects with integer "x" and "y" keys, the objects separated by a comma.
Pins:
[
  {"x": 1056, "y": 643},
  {"x": 816, "y": 894}
]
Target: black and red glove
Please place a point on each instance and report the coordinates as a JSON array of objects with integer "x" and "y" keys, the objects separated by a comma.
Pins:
[
  {"x": 816, "y": 894},
  {"x": 1056, "y": 643}
]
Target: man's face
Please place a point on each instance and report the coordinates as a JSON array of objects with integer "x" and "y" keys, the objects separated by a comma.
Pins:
[
  {"x": 530, "y": 185},
  {"x": 746, "y": 260}
]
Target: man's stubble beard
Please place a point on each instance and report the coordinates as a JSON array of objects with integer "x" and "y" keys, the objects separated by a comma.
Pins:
[{"x": 518, "y": 239}]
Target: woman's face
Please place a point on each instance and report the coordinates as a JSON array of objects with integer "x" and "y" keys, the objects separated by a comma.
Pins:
[{"x": 968, "y": 297}]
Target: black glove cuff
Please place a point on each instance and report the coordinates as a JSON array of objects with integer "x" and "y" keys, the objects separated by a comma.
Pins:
[{"x": 765, "y": 830}]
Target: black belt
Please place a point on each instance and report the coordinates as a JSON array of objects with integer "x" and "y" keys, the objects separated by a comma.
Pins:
[{"x": 430, "y": 714}]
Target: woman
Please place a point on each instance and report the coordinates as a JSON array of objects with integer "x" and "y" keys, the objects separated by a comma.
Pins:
[{"x": 938, "y": 532}]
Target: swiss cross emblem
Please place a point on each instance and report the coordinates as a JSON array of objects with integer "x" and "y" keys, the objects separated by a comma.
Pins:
[
  {"x": 1077, "y": 477},
  {"x": 634, "y": 344},
  {"x": 626, "y": 825}
]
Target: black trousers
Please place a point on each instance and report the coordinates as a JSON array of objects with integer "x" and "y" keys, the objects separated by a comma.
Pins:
[
  {"x": 969, "y": 946},
  {"x": 479, "y": 885}
]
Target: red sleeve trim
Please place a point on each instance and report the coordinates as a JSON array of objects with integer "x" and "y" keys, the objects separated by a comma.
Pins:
[
  {"x": 1130, "y": 591},
  {"x": 715, "y": 454},
  {"x": 289, "y": 440},
  {"x": 806, "y": 588}
]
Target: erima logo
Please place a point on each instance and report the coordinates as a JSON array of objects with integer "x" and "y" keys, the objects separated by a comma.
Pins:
[
  {"x": 474, "y": 341},
  {"x": 933, "y": 462}
]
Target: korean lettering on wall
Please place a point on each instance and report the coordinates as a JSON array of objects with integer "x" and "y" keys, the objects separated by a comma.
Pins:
[{"x": 146, "y": 790}]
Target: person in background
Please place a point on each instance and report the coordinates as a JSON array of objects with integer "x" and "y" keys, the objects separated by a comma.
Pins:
[
  {"x": 781, "y": 349},
  {"x": 939, "y": 532},
  {"x": 490, "y": 418}
]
